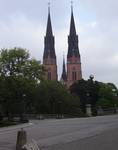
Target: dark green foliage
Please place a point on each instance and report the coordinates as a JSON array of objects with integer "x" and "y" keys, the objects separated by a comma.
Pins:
[
  {"x": 53, "y": 98},
  {"x": 23, "y": 89},
  {"x": 17, "y": 62},
  {"x": 108, "y": 95},
  {"x": 95, "y": 93},
  {"x": 19, "y": 76},
  {"x": 87, "y": 90}
]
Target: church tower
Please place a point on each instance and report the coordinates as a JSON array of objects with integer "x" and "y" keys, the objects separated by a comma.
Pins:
[
  {"x": 49, "y": 56},
  {"x": 74, "y": 72}
]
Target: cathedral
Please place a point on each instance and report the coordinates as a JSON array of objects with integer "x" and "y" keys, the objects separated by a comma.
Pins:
[{"x": 73, "y": 65}]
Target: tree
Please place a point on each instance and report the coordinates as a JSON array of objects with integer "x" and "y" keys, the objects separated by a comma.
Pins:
[
  {"x": 87, "y": 90},
  {"x": 107, "y": 98},
  {"x": 19, "y": 75},
  {"x": 17, "y": 62},
  {"x": 54, "y": 98}
]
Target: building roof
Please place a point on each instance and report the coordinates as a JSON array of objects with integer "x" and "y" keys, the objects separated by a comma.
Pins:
[
  {"x": 49, "y": 49},
  {"x": 73, "y": 49}
]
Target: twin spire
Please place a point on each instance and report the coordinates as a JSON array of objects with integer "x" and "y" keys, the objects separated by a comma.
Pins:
[
  {"x": 49, "y": 25},
  {"x": 49, "y": 56}
]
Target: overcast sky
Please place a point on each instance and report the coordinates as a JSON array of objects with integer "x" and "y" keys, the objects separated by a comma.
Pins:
[{"x": 23, "y": 24}]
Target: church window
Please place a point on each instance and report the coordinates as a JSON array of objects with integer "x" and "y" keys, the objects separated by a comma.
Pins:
[
  {"x": 49, "y": 74},
  {"x": 74, "y": 74}
]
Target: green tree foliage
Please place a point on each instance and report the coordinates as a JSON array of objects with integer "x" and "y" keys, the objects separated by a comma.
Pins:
[
  {"x": 108, "y": 95},
  {"x": 19, "y": 76},
  {"x": 17, "y": 62},
  {"x": 52, "y": 97},
  {"x": 87, "y": 90},
  {"x": 95, "y": 93},
  {"x": 23, "y": 89}
]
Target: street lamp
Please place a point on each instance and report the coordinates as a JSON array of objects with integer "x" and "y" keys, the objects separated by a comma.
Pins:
[
  {"x": 24, "y": 95},
  {"x": 114, "y": 95},
  {"x": 91, "y": 77},
  {"x": 89, "y": 96},
  {"x": 23, "y": 115},
  {"x": 59, "y": 105},
  {"x": 88, "y": 105}
]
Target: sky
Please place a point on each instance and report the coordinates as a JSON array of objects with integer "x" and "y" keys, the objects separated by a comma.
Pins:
[{"x": 23, "y": 24}]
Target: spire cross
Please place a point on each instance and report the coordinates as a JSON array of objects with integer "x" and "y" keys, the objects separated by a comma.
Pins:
[
  {"x": 48, "y": 7},
  {"x": 71, "y": 5}
]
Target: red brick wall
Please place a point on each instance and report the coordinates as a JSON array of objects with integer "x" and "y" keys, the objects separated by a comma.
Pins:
[
  {"x": 73, "y": 65},
  {"x": 51, "y": 66}
]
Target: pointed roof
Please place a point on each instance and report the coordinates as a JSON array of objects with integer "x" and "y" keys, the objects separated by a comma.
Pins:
[
  {"x": 64, "y": 75},
  {"x": 73, "y": 49},
  {"x": 49, "y": 25},
  {"x": 72, "y": 24},
  {"x": 49, "y": 40}
]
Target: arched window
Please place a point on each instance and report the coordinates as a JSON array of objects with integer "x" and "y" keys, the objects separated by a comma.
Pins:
[
  {"x": 49, "y": 74},
  {"x": 74, "y": 74}
]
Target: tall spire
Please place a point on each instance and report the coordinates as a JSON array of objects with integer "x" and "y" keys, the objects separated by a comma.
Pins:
[
  {"x": 49, "y": 56},
  {"x": 49, "y": 25},
  {"x": 49, "y": 48},
  {"x": 71, "y": 6},
  {"x": 72, "y": 23},
  {"x": 73, "y": 57},
  {"x": 64, "y": 75},
  {"x": 73, "y": 49},
  {"x": 48, "y": 7}
]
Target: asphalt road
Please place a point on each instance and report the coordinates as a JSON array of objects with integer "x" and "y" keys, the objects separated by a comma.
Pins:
[
  {"x": 107, "y": 140},
  {"x": 95, "y": 133}
]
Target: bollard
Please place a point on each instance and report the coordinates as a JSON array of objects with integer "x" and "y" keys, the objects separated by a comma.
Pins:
[{"x": 21, "y": 139}]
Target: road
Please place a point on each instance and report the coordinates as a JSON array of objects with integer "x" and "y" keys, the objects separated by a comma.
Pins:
[
  {"x": 67, "y": 134},
  {"x": 107, "y": 140}
]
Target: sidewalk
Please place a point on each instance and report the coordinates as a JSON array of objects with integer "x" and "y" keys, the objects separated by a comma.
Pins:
[{"x": 15, "y": 127}]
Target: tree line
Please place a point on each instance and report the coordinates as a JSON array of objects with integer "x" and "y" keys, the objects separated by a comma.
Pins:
[{"x": 23, "y": 89}]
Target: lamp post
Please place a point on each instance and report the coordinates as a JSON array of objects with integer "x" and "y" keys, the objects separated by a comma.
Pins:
[
  {"x": 114, "y": 96},
  {"x": 91, "y": 77},
  {"x": 23, "y": 116},
  {"x": 89, "y": 96},
  {"x": 24, "y": 95},
  {"x": 88, "y": 105},
  {"x": 59, "y": 105}
]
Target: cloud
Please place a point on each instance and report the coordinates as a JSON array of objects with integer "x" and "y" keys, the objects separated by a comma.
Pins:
[
  {"x": 21, "y": 32},
  {"x": 99, "y": 50}
]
